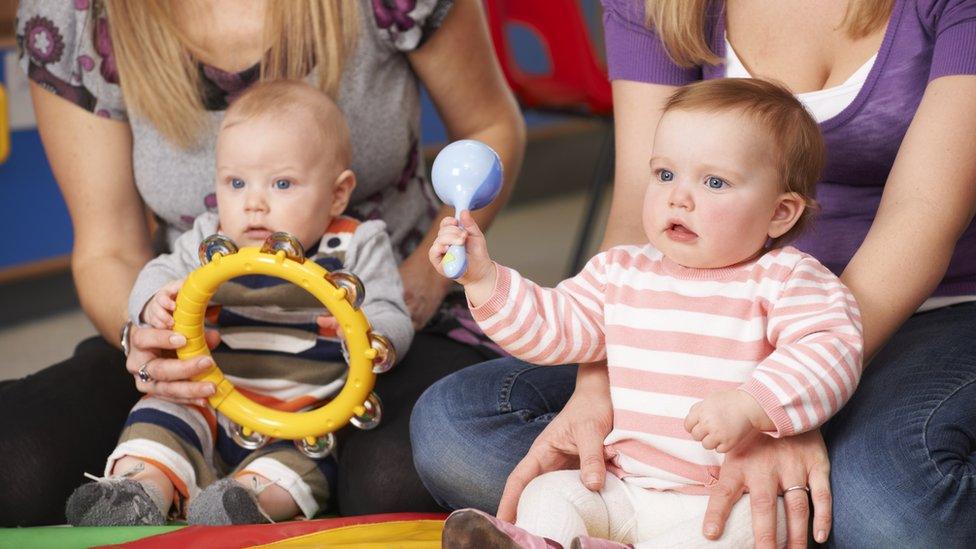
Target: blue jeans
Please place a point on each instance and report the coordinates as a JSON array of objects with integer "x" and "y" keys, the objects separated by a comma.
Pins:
[{"x": 903, "y": 451}]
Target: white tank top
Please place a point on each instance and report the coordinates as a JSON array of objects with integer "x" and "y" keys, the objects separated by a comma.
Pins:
[
  {"x": 822, "y": 104},
  {"x": 825, "y": 104}
]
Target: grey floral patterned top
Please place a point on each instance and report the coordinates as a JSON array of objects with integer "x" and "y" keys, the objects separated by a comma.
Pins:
[{"x": 65, "y": 46}]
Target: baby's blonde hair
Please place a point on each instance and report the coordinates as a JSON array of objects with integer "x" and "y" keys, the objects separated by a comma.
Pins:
[
  {"x": 796, "y": 135},
  {"x": 284, "y": 100}
]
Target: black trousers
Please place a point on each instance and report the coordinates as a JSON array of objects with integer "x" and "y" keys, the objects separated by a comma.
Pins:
[{"x": 65, "y": 420}]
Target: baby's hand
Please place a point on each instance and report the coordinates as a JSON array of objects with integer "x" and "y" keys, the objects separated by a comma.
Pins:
[
  {"x": 328, "y": 323},
  {"x": 479, "y": 263},
  {"x": 158, "y": 313},
  {"x": 724, "y": 419}
]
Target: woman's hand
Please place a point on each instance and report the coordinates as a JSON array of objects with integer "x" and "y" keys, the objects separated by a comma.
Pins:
[
  {"x": 573, "y": 439},
  {"x": 423, "y": 288},
  {"x": 764, "y": 467},
  {"x": 169, "y": 377}
]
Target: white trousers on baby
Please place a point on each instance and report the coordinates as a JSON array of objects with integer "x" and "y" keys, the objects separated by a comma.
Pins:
[{"x": 557, "y": 506}]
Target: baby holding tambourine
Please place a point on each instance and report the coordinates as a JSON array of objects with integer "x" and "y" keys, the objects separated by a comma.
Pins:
[{"x": 283, "y": 153}]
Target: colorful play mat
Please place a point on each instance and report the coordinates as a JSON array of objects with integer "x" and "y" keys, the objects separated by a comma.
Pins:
[{"x": 406, "y": 530}]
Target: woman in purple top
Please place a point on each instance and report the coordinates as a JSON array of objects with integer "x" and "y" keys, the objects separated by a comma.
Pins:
[{"x": 897, "y": 197}]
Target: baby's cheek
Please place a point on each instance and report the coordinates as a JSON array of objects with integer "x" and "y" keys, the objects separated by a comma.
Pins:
[
  {"x": 736, "y": 229},
  {"x": 649, "y": 215}
]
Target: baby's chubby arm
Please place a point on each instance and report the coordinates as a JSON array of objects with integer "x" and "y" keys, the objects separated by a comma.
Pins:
[
  {"x": 370, "y": 257},
  {"x": 480, "y": 277},
  {"x": 560, "y": 325},
  {"x": 725, "y": 418}
]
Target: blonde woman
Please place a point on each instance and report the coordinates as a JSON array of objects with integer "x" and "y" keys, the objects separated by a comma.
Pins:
[
  {"x": 129, "y": 96},
  {"x": 891, "y": 83}
]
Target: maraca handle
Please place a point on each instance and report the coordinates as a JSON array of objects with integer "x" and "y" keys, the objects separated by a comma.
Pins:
[{"x": 455, "y": 261}]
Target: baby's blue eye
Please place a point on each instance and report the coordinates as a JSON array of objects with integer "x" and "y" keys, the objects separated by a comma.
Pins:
[
  {"x": 715, "y": 183},
  {"x": 665, "y": 175},
  {"x": 237, "y": 183},
  {"x": 282, "y": 184}
]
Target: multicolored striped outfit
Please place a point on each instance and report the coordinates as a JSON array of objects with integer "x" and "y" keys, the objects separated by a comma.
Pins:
[{"x": 274, "y": 352}]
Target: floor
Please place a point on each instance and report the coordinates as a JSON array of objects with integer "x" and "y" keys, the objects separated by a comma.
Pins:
[{"x": 532, "y": 236}]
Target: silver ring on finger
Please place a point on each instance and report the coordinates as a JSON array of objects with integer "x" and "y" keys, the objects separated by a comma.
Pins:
[
  {"x": 803, "y": 487},
  {"x": 143, "y": 373}
]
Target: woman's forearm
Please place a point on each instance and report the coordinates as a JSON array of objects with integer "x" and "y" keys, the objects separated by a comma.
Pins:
[
  {"x": 637, "y": 108},
  {"x": 892, "y": 273},
  {"x": 928, "y": 202},
  {"x": 111, "y": 236},
  {"x": 103, "y": 284},
  {"x": 593, "y": 378}
]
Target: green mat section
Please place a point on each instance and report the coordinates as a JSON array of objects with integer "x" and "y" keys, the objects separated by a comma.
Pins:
[{"x": 66, "y": 537}]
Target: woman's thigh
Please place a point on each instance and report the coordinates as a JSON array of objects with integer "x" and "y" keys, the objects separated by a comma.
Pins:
[
  {"x": 903, "y": 466},
  {"x": 56, "y": 425},
  {"x": 470, "y": 429},
  {"x": 376, "y": 472}
]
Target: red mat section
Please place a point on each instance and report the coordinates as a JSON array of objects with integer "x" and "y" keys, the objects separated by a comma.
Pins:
[{"x": 238, "y": 537}]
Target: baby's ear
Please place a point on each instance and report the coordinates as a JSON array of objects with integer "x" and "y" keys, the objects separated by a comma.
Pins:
[
  {"x": 789, "y": 208},
  {"x": 341, "y": 191}
]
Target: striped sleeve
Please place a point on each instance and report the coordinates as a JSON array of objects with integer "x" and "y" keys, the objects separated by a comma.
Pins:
[
  {"x": 815, "y": 327},
  {"x": 548, "y": 325}
]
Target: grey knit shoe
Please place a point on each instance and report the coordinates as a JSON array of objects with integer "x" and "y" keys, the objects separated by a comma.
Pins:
[
  {"x": 114, "y": 502},
  {"x": 226, "y": 502}
]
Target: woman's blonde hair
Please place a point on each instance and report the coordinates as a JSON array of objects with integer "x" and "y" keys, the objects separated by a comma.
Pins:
[
  {"x": 161, "y": 81},
  {"x": 680, "y": 24},
  {"x": 801, "y": 152}
]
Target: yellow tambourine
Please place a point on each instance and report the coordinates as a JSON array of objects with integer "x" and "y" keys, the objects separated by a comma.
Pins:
[{"x": 340, "y": 292}]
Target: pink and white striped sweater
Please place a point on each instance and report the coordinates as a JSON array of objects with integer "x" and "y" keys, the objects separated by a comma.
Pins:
[{"x": 782, "y": 328}]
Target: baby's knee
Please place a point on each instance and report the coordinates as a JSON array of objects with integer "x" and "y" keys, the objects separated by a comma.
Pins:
[{"x": 545, "y": 489}]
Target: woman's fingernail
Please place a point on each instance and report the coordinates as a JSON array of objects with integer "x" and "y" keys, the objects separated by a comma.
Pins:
[
  {"x": 711, "y": 530},
  {"x": 177, "y": 339},
  {"x": 206, "y": 362},
  {"x": 211, "y": 390},
  {"x": 821, "y": 536},
  {"x": 592, "y": 480}
]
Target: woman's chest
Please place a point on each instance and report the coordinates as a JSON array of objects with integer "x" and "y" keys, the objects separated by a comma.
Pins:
[
  {"x": 227, "y": 34},
  {"x": 803, "y": 44},
  {"x": 379, "y": 97}
]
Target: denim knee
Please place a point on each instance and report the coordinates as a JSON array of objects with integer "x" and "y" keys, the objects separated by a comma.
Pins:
[
  {"x": 470, "y": 429},
  {"x": 440, "y": 446},
  {"x": 903, "y": 468},
  {"x": 906, "y": 493}
]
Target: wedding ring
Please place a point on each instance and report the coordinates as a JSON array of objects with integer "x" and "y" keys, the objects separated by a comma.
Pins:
[
  {"x": 143, "y": 373},
  {"x": 803, "y": 487}
]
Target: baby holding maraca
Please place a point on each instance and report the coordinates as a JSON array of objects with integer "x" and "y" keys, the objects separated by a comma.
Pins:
[
  {"x": 283, "y": 153},
  {"x": 714, "y": 332}
]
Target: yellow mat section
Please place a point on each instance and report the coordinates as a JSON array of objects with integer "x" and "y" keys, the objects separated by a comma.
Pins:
[{"x": 410, "y": 534}]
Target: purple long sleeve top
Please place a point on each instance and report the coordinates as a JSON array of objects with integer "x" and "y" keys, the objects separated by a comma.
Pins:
[{"x": 924, "y": 40}]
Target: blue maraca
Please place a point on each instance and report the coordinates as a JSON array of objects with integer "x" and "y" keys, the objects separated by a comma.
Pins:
[{"x": 467, "y": 174}]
